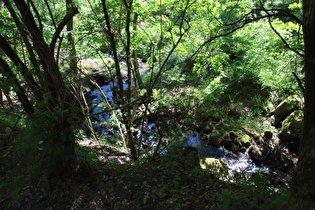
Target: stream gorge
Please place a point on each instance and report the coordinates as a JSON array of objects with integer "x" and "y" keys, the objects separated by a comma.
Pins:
[{"x": 261, "y": 156}]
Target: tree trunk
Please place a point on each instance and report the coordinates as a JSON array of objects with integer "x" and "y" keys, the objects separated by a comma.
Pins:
[
  {"x": 54, "y": 111},
  {"x": 303, "y": 184},
  {"x": 71, "y": 44},
  {"x": 6, "y": 71}
]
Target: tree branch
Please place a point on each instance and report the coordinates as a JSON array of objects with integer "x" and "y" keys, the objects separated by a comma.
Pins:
[
  {"x": 6, "y": 70},
  {"x": 113, "y": 46},
  {"x": 299, "y": 82},
  {"x": 72, "y": 12},
  {"x": 249, "y": 18},
  {"x": 7, "y": 49},
  {"x": 24, "y": 35},
  {"x": 283, "y": 40}
]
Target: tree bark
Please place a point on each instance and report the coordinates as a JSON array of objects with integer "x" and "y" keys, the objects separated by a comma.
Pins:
[
  {"x": 72, "y": 51},
  {"x": 303, "y": 184},
  {"x": 22, "y": 96},
  {"x": 113, "y": 45},
  {"x": 52, "y": 115}
]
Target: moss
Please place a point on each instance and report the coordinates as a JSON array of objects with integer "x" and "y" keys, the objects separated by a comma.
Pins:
[
  {"x": 293, "y": 124},
  {"x": 256, "y": 136},
  {"x": 90, "y": 67},
  {"x": 294, "y": 102},
  {"x": 291, "y": 131},
  {"x": 285, "y": 108},
  {"x": 216, "y": 166},
  {"x": 245, "y": 140},
  {"x": 216, "y": 137},
  {"x": 253, "y": 134},
  {"x": 233, "y": 135}
]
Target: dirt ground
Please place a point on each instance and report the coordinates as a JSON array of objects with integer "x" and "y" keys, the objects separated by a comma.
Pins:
[{"x": 111, "y": 182}]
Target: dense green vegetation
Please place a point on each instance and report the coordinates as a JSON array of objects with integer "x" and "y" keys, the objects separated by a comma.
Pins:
[{"x": 216, "y": 68}]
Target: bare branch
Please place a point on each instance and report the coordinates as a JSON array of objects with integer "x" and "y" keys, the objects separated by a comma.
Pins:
[{"x": 7, "y": 49}]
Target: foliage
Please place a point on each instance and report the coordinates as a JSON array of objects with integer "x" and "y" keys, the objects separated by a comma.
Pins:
[
  {"x": 255, "y": 193},
  {"x": 215, "y": 166},
  {"x": 39, "y": 143},
  {"x": 9, "y": 123},
  {"x": 168, "y": 180},
  {"x": 210, "y": 64}
]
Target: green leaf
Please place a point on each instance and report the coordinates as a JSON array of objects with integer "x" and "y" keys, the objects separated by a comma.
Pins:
[{"x": 8, "y": 130}]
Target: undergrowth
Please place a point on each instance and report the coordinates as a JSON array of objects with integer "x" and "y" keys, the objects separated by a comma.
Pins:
[{"x": 254, "y": 193}]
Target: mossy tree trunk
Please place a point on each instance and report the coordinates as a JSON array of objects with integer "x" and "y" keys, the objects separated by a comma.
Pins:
[{"x": 303, "y": 185}]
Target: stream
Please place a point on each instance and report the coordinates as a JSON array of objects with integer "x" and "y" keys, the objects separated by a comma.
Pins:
[{"x": 236, "y": 163}]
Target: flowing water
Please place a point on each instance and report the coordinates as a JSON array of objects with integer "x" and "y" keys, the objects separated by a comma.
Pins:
[{"x": 236, "y": 163}]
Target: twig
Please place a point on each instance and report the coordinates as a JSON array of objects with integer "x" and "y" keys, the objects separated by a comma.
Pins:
[{"x": 299, "y": 82}]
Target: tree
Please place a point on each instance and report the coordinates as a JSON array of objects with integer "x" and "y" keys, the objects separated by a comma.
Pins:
[
  {"x": 303, "y": 185},
  {"x": 122, "y": 33},
  {"x": 48, "y": 102}
]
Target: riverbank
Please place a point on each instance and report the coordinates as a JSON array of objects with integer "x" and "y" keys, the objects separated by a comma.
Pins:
[{"x": 115, "y": 182}]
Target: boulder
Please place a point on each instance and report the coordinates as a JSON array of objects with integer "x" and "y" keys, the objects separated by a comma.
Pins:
[
  {"x": 97, "y": 69},
  {"x": 291, "y": 131},
  {"x": 236, "y": 142},
  {"x": 229, "y": 141},
  {"x": 245, "y": 141},
  {"x": 216, "y": 138},
  {"x": 256, "y": 154},
  {"x": 280, "y": 160},
  {"x": 285, "y": 108},
  {"x": 216, "y": 166},
  {"x": 268, "y": 134},
  {"x": 275, "y": 159}
]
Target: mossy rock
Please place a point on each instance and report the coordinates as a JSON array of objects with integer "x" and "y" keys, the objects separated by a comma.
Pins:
[
  {"x": 235, "y": 147},
  {"x": 268, "y": 134},
  {"x": 253, "y": 134},
  {"x": 216, "y": 137},
  {"x": 256, "y": 137},
  {"x": 245, "y": 141},
  {"x": 292, "y": 125},
  {"x": 233, "y": 135},
  {"x": 215, "y": 166},
  {"x": 256, "y": 154},
  {"x": 285, "y": 108},
  {"x": 291, "y": 130}
]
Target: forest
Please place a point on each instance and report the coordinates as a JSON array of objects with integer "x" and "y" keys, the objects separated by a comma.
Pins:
[{"x": 157, "y": 104}]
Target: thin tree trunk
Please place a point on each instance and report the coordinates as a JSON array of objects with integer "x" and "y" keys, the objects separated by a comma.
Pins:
[
  {"x": 113, "y": 44},
  {"x": 22, "y": 96},
  {"x": 72, "y": 53}
]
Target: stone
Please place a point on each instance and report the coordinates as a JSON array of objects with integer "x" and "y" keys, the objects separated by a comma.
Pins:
[
  {"x": 216, "y": 138},
  {"x": 268, "y": 134},
  {"x": 233, "y": 135},
  {"x": 216, "y": 166},
  {"x": 245, "y": 141},
  {"x": 255, "y": 153},
  {"x": 285, "y": 108},
  {"x": 291, "y": 131}
]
